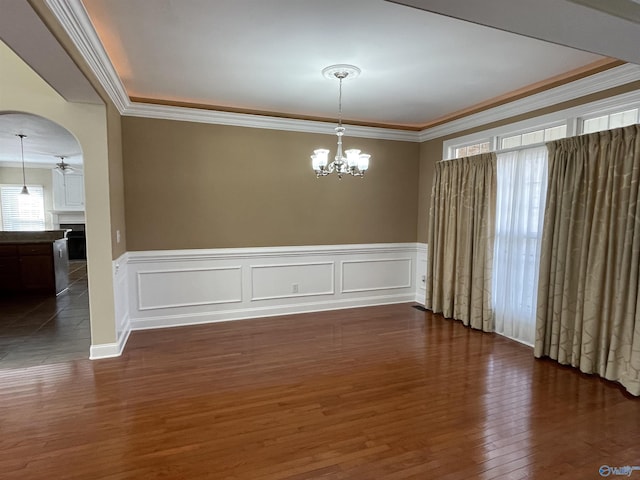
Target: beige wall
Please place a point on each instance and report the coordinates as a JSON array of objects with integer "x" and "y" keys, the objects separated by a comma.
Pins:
[
  {"x": 192, "y": 185},
  {"x": 431, "y": 151},
  {"x": 116, "y": 182},
  {"x": 35, "y": 176}
]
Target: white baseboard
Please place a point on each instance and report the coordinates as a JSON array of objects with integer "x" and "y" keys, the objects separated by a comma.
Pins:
[
  {"x": 243, "y": 314},
  {"x": 109, "y": 350}
]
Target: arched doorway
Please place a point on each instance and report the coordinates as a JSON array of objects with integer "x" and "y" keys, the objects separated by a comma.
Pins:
[
  {"x": 44, "y": 302},
  {"x": 24, "y": 91}
]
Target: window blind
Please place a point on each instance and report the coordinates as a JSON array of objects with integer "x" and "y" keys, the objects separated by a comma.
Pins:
[{"x": 22, "y": 212}]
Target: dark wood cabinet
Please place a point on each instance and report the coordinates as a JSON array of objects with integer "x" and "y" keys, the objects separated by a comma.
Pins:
[
  {"x": 9, "y": 268},
  {"x": 34, "y": 267}
]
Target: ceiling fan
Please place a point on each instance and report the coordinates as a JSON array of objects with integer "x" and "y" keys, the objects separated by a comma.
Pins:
[{"x": 63, "y": 166}]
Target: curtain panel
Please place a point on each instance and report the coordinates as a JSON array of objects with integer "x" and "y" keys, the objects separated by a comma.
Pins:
[
  {"x": 461, "y": 236},
  {"x": 588, "y": 291}
]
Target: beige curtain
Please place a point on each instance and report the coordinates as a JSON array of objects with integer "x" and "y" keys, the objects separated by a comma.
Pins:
[
  {"x": 588, "y": 303},
  {"x": 461, "y": 235}
]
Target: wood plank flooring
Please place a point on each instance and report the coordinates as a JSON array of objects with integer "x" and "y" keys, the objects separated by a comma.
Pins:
[{"x": 385, "y": 392}]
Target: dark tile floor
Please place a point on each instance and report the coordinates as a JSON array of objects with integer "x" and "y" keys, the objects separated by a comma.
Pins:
[{"x": 42, "y": 330}]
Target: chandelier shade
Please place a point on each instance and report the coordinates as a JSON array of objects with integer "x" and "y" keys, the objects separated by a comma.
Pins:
[{"x": 352, "y": 161}]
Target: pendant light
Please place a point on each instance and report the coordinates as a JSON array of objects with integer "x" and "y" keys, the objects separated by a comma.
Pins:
[{"x": 25, "y": 190}]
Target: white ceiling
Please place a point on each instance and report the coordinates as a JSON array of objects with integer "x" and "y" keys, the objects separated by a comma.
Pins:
[
  {"x": 44, "y": 142},
  {"x": 267, "y": 55},
  {"x": 607, "y": 27}
]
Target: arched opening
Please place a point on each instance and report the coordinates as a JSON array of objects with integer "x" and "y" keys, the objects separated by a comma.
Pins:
[
  {"x": 43, "y": 264},
  {"x": 24, "y": 91}
]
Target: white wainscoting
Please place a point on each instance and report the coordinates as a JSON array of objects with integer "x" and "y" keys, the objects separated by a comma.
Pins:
[
  {"x": 121, "y": 308},
  {"x": 182, "y": 287},
  {"x": 155, "y": 289},
  {"x": 421, "y": 273},
  {"x": 290, "y": 280},
  {"x": 376, "y": 274},
  {"x": 188, "y": 287}
]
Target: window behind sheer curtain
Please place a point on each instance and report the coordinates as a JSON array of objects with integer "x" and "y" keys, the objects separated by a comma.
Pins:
[
  {"x": 522, "y": 186},
  {"x": 22, "y": 212}
]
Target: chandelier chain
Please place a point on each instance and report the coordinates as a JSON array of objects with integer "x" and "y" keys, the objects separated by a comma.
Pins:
[
  {"x": 340, "y": 104},
  {"x": 24, "y": 177}
]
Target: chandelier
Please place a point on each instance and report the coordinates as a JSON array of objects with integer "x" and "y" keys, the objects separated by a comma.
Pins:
[{"x": 352, "y": 162}]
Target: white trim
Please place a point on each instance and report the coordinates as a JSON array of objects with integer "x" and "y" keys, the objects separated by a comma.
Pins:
[
  {"x": 265, "y": 252},
  {"x": 613, "y": 77},
  {"x": 110, "y": 350},
  {"x": 373, "y": 289},
  {"x": 331, "y": 291},
  {"x": 421, "y": 273},
  {"x": 75, "y": 21},
  {"x": 187, "y": 114},
  {"x": 185, "y": 270}
]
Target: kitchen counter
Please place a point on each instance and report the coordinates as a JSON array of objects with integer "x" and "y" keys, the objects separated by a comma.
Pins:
[{"x": 46, "y": 236}]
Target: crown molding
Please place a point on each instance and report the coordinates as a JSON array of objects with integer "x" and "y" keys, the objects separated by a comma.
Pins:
[
  {"x": 598, "y": 82},
  {"x": 74, "y": 19},
  {"x": 187, "y": 114}
]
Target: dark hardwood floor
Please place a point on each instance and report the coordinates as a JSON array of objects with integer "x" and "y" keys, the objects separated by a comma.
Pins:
[{"x": 385, "y": 392}]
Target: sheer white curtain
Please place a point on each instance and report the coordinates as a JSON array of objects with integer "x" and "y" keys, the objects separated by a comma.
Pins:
[{"x": 521, "y": 192}]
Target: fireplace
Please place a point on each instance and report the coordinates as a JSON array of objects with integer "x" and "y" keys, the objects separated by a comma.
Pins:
[{"x": 76, "y": 240}]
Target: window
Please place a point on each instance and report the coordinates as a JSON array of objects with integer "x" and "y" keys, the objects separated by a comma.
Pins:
[
  {"x": 22, "y": 212},
  {"x": 610, "y": 121},
  {"x": 468, "y": 150},
  {"x": 535, "y": 136},
  {"x": 609, "y": 113},
  {"x": 521, "y": 195}
]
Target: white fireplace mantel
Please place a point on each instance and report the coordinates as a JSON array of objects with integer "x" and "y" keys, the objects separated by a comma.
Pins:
[{"x": 66, "y": 216}]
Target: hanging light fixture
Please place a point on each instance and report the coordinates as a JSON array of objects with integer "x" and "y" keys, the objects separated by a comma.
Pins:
[
  {"x": 25, "y": 190},
  {"x": 63, "y": 166},
  {"x": 352, "y": 162}
]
